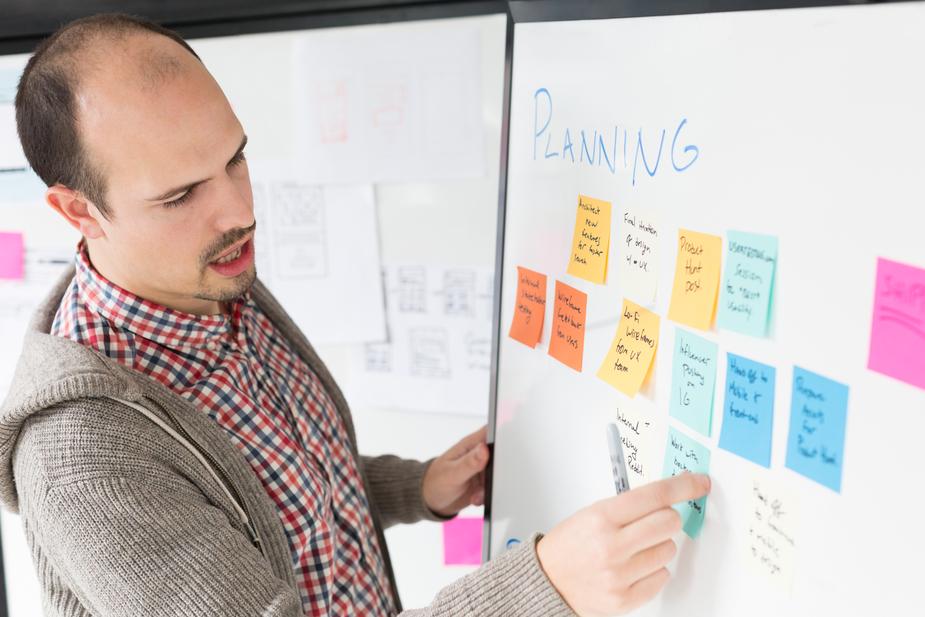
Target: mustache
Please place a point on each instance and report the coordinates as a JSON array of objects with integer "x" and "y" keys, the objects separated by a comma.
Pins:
[{"x": 227, "y": 240}]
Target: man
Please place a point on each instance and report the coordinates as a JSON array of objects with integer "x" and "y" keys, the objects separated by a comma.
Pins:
[{"x": 172, "y": 441}]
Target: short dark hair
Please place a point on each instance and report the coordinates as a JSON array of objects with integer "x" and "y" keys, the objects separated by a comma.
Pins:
[{"x": 46, "y": 111}]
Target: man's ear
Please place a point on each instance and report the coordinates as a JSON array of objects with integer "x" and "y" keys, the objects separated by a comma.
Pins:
[{"x": 79, "y": 212}]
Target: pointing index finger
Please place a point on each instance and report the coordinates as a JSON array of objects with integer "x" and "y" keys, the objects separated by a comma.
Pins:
[{"x": 637, "y": 503}]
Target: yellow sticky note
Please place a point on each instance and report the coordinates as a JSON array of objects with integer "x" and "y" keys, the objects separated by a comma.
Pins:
[
  {"x": 696, "y": 279},
  {"x": 632, "y": 350},
  {"x": 591, "y": 241}
]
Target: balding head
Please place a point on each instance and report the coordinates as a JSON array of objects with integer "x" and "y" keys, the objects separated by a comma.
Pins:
[
  {"x": 144, "y": 155},
  {"x": 48, "y": 101}
]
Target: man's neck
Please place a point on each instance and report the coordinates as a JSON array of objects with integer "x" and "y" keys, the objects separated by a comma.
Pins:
[{"x": 183, "y": 304}]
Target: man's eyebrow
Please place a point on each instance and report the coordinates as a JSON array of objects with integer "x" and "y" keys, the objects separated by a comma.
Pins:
[{"x": 186, "y": 187}]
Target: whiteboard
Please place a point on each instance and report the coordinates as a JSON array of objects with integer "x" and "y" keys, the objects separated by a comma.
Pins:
[{"x": 808, "y": 127}]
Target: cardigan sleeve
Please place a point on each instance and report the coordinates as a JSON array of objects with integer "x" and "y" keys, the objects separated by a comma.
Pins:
[{"x": 397, "y": 486}]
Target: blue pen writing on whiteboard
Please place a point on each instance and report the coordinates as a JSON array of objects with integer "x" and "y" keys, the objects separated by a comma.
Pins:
[{"x": 620, "y": 478}]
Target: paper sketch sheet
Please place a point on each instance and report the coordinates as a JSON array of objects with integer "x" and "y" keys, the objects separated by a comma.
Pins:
[
  {"x": 317, "y": 251},
  {"x": 438, "y": 357},
  {"x": 384, "y": 105}
]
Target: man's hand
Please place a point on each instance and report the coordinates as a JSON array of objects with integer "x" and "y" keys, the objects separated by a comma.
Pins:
[
  {"x": 610, "y": 557},
  {"x": 455, "y": 479}
]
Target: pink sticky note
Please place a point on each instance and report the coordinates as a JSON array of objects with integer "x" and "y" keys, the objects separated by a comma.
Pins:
[
  {"x": 897, "y": 335},
  {"x": 462, "y": 541},
  {"x": 11, "y": 255}
]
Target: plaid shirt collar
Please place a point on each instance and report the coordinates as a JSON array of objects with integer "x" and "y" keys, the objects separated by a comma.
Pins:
[{"x": 157, "y": 323}]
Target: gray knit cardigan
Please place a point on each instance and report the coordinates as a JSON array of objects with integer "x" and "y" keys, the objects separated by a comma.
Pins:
[{"x": 136, "y": 503}]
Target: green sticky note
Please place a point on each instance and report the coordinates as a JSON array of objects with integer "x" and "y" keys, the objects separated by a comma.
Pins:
[
  {"x": 693, "y": 380},
  {"x": 748, "y": 283},
  {"x": 685, "y": 454}
]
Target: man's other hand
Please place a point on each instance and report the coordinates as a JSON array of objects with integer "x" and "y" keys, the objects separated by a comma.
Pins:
[{"x": 456, "y": 478}]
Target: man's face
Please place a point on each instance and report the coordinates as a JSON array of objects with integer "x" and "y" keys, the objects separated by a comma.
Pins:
[{"x": 170, "y": 149}]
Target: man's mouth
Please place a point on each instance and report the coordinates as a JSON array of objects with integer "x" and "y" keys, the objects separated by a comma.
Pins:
[
  {"x": 230, "y": 255},
  {"x": 234, "y": 261}
]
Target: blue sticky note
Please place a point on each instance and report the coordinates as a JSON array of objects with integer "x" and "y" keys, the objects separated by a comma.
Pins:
[
  {"x": 748, "y": 410},
  {"x": 693, "y": 381},
  {"x": 816, "y": 445},
  {"x": 748, "y": 283},
  {"x": 685, "y": 454}
]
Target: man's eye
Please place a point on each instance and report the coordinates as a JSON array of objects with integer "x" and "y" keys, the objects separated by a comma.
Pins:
[
  {"x": 179, "y": 201},
  {"x": 237, "y": 160}
]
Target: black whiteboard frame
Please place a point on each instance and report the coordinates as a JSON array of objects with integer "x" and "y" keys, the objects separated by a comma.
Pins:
[{"x": 532, "y": 11}]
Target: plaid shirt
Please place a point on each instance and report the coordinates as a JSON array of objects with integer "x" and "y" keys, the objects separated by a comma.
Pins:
[{"x": 243, "y": 374}]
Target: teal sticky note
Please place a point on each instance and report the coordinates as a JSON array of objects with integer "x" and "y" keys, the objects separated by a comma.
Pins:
[
  {"x": 693, "y": 381},
  {"x": 748, "y": 409},
  {"x": 685, "y": 454},
  {"x": 818, "y": 411},
  {"x": 748, "y": 283}
]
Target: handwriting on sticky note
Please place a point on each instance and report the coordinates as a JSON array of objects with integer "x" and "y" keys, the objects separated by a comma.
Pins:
[
  {"x": 897, "y": 334},
  {"x": 11, "y": 255},
  {"x": 530, "y": 307},
  {"x": 462, "y": 541},
  {"x": 685, "y": 454},
  {"x": 693, "y": 381},
  {"x": 816, "y": 444},
  {"x": 748, "y": 283},
  {"x": 567, "y": 341},
  {"x": 638, "y": 432},
  {"x": 696, "y": 279},
  {"x": 748, "y": 410},
  {"x": 591, "y": 240},
  {"x": 629, "y": 358},
  {"x": 639, "y": 241},
  {"x": 772, "y": 516}
]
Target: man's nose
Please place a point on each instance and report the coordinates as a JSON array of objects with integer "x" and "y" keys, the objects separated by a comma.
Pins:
[{"x": 234, "y": 206}]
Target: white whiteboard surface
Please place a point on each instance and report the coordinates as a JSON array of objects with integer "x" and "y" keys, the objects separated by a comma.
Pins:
[{"x": 809, "y": 127}]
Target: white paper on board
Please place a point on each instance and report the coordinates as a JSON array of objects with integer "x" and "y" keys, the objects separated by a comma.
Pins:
[
  {"x": 643, "y": 439},
  {"x": 382, "y": 105},
  {"x": 438, "y": 357},
  {"x": 772, "y": 515},
  {"x": 317, "y": 251},
  {"x": 637, "y": 233}
]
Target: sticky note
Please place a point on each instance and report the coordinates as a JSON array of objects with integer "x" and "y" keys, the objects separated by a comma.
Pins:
[
  {"x": 638, "y": 234},
  {"x": 641, "y": 436},
  {"x": 772, "y": 514},
  {"x": 591, "y": 240},
  {"x": 630, "y": 355},
  {"x": 897, "y": 334},
  {"x": 748, "y": 410},
  {"x": 11, "y": 255},
  {"x": 748, "y": 283},
  {"x": 567, "y": 341},
  {"x": 530, "y": 307},
  {"x": 685, "y": 454},
  {"x": 696, "y": 279},
  {"x": 816, "y": 445},
  {"x": 462, "y": 541},
  {"x": 693, "y": 381}
]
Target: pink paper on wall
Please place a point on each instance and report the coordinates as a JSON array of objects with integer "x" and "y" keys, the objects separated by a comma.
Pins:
[
  {"x": 11, "y": 255},
  {"x": 897, "y": 334},
  {"x": 462, "y": 541}
]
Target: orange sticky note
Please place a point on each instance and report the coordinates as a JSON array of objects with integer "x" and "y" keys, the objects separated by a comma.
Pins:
[
  {"x": 530, "y": 309},
  {"x": 696, "y": 279},
  {"x": 567, "y": 342},
  {"x": 591, "y": 240},
  {"x": 633, "y": 348}
]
